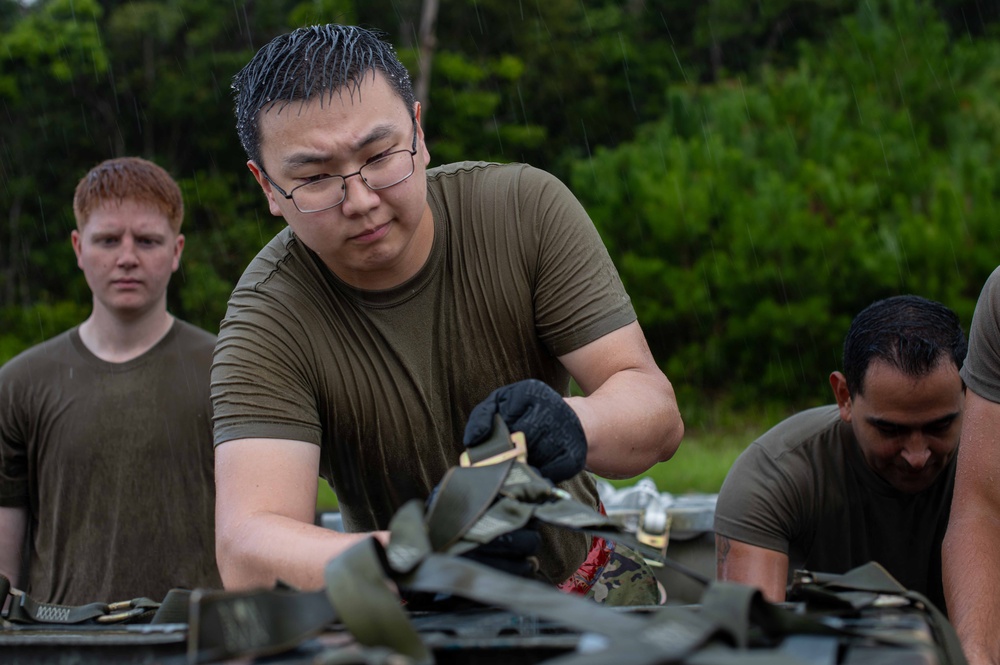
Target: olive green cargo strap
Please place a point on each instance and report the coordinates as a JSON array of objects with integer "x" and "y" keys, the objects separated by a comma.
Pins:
[
  {"x": 23, "y": 609},
  {"x": 732, "y": 625}
]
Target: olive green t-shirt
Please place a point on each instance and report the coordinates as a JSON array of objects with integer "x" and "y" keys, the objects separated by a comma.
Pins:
[
  {"x": 114, "y": 464},
  {"x": 804, "y": 489},
  {"x": 981, "y": 370},
  {"x": 384, "y": 381}
]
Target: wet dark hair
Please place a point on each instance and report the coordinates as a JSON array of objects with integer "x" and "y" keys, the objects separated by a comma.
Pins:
[
  {"x": 908, "y": 332},
  {"x": 311, "y": 62}
]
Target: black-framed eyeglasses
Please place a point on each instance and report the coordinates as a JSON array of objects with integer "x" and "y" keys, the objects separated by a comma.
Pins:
[{"x": 330, "y": 191}]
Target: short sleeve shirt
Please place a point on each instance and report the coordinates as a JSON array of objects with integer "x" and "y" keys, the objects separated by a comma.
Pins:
[
  {"x": 804, "y": 489},
  {"x": 981, "y": 370},
  {"x": 384, "y": 381}
]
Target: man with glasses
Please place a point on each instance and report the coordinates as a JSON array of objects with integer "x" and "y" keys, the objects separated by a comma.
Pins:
[{"x": 398, "y": 312}]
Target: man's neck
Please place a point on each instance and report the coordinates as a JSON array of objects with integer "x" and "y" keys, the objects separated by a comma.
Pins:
[{"x": 114, "y": 339}]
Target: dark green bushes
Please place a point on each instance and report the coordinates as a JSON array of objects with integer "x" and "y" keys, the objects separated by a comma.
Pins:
[{"x": 760, "y": 214}]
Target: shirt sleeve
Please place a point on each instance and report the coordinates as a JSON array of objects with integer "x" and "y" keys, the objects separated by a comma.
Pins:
[
  {"x": 981, "y": 369},
  {"x": 579, "y": 296},
  {"x": 263, "y": 383},
  {"x": 757, "y": 502}
]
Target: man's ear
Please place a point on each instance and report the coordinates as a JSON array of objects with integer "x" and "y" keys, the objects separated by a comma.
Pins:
[
  {"x": 178, "y": 250},
  {"x": 76, "y": 240},
  {"x": 421, "y": 145},
  {"x": 266, "y": 187},
  {"x": 838, "y": 382}
]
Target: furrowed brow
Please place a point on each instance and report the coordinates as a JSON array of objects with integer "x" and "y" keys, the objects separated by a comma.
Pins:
[{"x": 299, "y": 159}]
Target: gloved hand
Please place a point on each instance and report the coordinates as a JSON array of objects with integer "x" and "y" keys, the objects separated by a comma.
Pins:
[
  {"x": 557, "y": 446},
  {"x": 514, "y": 553}
]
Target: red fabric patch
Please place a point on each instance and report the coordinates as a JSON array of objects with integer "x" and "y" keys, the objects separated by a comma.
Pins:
[{"x": 580, "y": 582}]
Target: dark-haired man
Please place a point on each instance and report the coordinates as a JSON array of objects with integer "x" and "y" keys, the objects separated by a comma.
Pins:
[
  {"x": 105, "y": 429},
  {"x": 867, "y": 479},
  {"x": 400, "y": 305}
]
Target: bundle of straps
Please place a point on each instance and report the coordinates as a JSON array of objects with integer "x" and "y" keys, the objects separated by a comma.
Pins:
[
  {"x": 476, "y": 505},
  {"x": 733, "y": 623}
]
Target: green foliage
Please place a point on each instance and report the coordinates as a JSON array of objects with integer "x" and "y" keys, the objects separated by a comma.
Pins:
[
  {"x": 322, "y": 11},
  {"x": 27, "y": 326},
  {"x": 757, "y": 176},
  {"x": 760, "y": 215}
]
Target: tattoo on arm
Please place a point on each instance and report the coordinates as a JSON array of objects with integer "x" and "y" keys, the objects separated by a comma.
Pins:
[{"x": 722, "y": 547}]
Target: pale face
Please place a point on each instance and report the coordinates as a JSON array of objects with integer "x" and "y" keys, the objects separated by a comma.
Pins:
[
  {"x": 374, "y": 239},
  {"x": 127, "y": 253},
  {"x": 907, "y": 428}
]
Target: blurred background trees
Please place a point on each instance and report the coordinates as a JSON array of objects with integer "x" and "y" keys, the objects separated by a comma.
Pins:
[{"x": 759, "y": 171}]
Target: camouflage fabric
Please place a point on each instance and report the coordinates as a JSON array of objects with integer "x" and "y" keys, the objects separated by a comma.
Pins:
[
  {"x": 614, "y": 574},
  {"x": 626, "y": 580}
]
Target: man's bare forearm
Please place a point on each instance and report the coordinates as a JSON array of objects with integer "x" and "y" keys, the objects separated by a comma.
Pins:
[
  {"x": 740, "y": 562},
  {"x": 268, "y": 548}
]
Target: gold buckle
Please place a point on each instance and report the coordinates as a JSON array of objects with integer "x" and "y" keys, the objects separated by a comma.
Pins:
[{"x": 518, "y": 452}]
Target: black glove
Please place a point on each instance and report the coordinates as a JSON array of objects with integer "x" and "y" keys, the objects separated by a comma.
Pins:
[
  {"x": 513, "y": 553},
  {"x": 557, "y": 446}
]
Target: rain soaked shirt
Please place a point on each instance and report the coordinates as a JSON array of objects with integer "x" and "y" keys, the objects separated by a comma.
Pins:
[
  {"x": 113, "y": 462},
  {"x": 384, "y": 381},
  {"x": 804, "y": 489},
  {"x": 981, "y": 370}
]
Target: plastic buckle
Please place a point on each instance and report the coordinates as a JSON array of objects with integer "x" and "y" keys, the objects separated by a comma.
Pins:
[{"x": 518, "y": 452}]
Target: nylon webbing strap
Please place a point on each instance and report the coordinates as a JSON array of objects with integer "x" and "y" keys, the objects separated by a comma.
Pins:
[
  {"x": 409, "y": 550},
  {"x": 462, "y": 499},
  {"x": 23, "y": 609},
  {"x": 258, "y": 623},
  {"x": 356, "y": 584}
]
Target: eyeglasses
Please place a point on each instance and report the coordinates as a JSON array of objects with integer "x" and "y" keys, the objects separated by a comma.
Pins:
[{"x": 330, "y": 191}]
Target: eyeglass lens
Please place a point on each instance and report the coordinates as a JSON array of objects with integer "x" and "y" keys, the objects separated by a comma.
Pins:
[{"x": 390, "y": 170}]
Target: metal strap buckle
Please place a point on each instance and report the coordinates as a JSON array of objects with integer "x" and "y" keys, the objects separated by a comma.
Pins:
[
  {"x": 518, "y": 452},
  {"x": 122, "y": 611}
]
